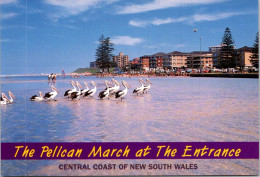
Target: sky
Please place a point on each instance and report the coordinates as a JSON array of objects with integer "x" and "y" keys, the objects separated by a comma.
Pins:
[{"x": 45, "y": 36}]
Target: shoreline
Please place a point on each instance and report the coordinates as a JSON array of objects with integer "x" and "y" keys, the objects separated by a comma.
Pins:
[{"x": 223, "y": 75}]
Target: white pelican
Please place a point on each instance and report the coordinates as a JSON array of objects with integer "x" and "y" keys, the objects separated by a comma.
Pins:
[
  {"x": 114, "y": 89},
  {"x": 139, "y": 89},
  {"x": 105, "y": 93},
  {"x": 11, "y": 95},
  {"x": 86, "y": 89},
  {"x": 37, "y": 98},
  {"x": 4, "y": 99},
  {"x": 68, "y": 92},
  {"x": 147, "y": 86},
  {"x": 51, "y": 95},
  {"x": 91, "y": 92},
  {"x": 122, "y": 93},
  {"x": 76, "y": 94}
]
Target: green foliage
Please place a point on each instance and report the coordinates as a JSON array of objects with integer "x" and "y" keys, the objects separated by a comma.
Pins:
[
  {"x": 228, "y": 57},
  {"x": 104, "y": 56},
  {"x": 83, "y": 70},
  {"x": 255, "y": 53}
]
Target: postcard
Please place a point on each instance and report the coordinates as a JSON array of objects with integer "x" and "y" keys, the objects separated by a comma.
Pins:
[{"x": 129, "y": 88}]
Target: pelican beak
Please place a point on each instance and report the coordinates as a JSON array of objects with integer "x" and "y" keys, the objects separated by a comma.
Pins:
[
  {"x": 128, "y": 86},
  {"x": 11, "y": 94},
  {"x": 80, "y": 86},
  {"x": 108, "y": 83},
  {"x": 41, "y": 95},
  {"x": 4, "y": 96},
  {"x": 86, "y": 84},
  {"x": 149, "y": 81},
  {"x": 55, "y": 89},
  {"x": 93, "y": 83}
]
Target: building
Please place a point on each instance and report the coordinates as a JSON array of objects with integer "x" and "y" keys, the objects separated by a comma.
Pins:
[
  {"x": 92, "y": 64},
  {"x": 121, "y": 60},
  {"x": 215, "y": 48},
  {"x": 135, "y": 64},
  {"x": 244, "y": 54},
  {"x": 175, "y": 60},
  {"x": 200, "y": 60},
  {"x": 144, "y": 61}
]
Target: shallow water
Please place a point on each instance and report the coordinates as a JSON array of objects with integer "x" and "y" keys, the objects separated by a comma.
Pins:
[{"x": 180, "y": 109}]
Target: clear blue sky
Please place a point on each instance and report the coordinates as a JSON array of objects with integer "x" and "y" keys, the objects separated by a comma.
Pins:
[{"x": 44, "y": 36}]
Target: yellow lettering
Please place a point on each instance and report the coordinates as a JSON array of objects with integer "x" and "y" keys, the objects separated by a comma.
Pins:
[
  {"x": 44, "y": 149},
  {"x": 70, "y": 153},
  {"x": 225, "y": 152},
  {"x": 210, "y": 151},
  {"x": 160, "y": 147},
  {"x": 31, "y": 153},
  {"x": 119, "y": 152},
  {"x": 139, "y": 153},
  {"x": 17, "y": 149},
  {"x": 78, "y": 153},
  {"x": 217, "y": 153},
  {"x": 231, "y": 153},
  {"x": 237, "y": 153},
  {"x": 106, "y": 153},
  {"x": 185, "y": 150},
  {"x": 63, "y": 153},
  {"x": 94, "y": 152}
]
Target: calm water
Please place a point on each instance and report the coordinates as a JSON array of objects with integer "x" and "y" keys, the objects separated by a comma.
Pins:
[{"x": 176, "y": 109}]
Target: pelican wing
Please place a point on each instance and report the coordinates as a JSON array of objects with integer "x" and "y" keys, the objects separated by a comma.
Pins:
[
  {"x": 67, "y": 93},
  {"x": 102, "y": 94},
  {"x": 33, "y": 97},
  {"x": 73, "y": 95},
  {"x": 119, "y": 93},
  {"x": 48, "y": 95},
  {"x": 88, "y": 92}
]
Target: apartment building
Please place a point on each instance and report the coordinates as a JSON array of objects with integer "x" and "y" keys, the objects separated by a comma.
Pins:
[
  {"x": 200, "y": 60},
  {"x": 244, "y": 54},
  {"x": 121, "y": 60}
]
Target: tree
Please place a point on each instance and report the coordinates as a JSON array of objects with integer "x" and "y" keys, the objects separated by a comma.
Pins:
[
  {"x": 104, "y": 56},
  {"x": 255, "y": 54},
  {"x": 227, "y": 57}
]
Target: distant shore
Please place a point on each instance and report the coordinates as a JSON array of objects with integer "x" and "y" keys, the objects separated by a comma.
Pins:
[
  {"x": 226, "y": 75},
  {"x": 223, "y": 75}
]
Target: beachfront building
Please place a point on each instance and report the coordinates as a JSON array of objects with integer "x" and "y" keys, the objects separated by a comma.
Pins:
[
  {"x": 135, "y": 64},
  {"x": 156, "y": 61},
  {"x": 244, "y": 54},
  {"x": 215, "y": 50},
  {"x": 175, "y": 60},
  {"x": 92, "y": 64},
  {"x": 159, "y": 62},
  {"x": 144, "y": 62},
  {"x": 121, "y": 60},
  {"x": 200, "y": 60}
]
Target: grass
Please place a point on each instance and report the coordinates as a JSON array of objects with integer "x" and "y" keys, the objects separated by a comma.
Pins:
[{"x": 91, "y": 70}]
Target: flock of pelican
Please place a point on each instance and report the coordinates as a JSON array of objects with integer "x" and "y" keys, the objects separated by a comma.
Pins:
[
  {"x": 6, "y": 100},
  {"x": 78, "y": 91}
]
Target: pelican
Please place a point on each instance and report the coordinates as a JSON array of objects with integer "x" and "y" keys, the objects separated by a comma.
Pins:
[
  {"x": 68, "y": 92},
  {"x": 86, "y": 89},
  {"x": 91, "y": 92},
  {"x": 76, "y": 94},
  {"x": 115, "y": 88},
  {"x": 105, "y": 93},
  {"x": 37, "y": 98},
  {"x": 11, "y": 95},
  {"x": 51, "y": 95},
  {"x": 147, "y": 87},
  {"x": 139, "y": 89},
  {"x": 4, "y": 99},
  {"x": 122, "y": 93}
]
